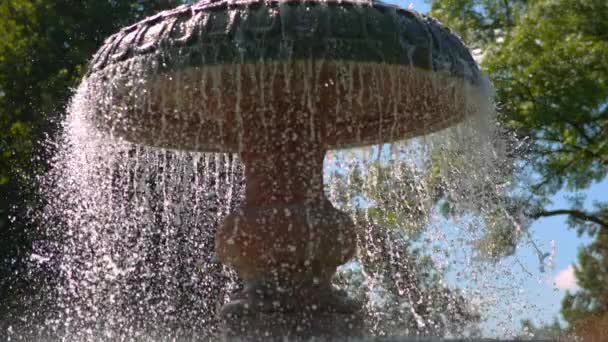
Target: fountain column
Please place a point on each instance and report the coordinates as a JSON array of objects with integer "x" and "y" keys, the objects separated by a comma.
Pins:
[{"x": 285, "y": 241}]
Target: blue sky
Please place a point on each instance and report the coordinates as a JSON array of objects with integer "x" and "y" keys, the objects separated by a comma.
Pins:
[
  {"x": 567, "y": 244},
  {"x": 544, "y": 291},
  {"x": 419, "y": 5}
]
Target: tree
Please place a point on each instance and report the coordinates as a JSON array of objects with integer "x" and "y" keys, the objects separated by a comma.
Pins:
[
  {"x": 402, "y": 289},
  {"x": 44, "y": 49},
  {"x": 587, "y": 309},
  {"x": 553, "y": 331},
  {"x": 479, "y": 22},
  {"x": 547, "y": 60}
]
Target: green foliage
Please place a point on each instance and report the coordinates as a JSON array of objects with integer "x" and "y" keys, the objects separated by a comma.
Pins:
[
  {"x": 551, "y": 76},
  {"x": 14, "y": 126},
  {"x": 553, "y": 331},
  {"x": 552, "y": 79},
  {"x": 479, "y": 22},
  {"x": 410, "y": 296},
  {"x": 392, "y": 202},
  {"x": 393, "y": 196},
  {"x": 44, "y": 49},
  {"x": 548, "y": 61},
  {"x": 407, "y": 294},
  {"x": 592, "y": 276}
]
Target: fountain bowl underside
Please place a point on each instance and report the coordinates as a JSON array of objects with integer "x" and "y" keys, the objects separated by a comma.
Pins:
[{"x": 225, "y": 108}]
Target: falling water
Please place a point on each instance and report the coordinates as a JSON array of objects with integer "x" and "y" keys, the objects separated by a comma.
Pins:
[
  {"x": 131, "y": 228},
  {"x": 136, "y": 228},
  {"x": 430, "y": 209}
]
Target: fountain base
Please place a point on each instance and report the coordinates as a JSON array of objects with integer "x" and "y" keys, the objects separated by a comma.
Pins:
[
  {"x": 286, "y": 241},
  {"x": 271, "y": 298},
  {"x": 296, "y": 326}
]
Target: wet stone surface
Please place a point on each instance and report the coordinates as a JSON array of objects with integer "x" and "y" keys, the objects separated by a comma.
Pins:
[{"x": 228, "y": 32}]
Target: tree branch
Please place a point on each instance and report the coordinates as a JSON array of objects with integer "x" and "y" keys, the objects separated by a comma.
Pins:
[{"x": 578, "y": 214}]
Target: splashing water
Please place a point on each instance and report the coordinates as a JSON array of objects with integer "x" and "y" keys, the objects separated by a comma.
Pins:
[
  {"x": 136, "y": 227},
  {"x": 133, "y": 227},
  {"x": 432, "y": 211}
]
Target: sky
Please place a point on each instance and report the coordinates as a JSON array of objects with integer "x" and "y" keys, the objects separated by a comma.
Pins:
[
  {"x": 544, "y": 290},
  {"x": 421, "y": 6},
  {"x": 549, "y": 294}
]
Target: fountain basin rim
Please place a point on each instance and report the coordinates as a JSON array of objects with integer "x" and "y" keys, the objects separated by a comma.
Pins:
[
  {"x": 225, "y": 32},
  {"x": 221, "y": 5}
]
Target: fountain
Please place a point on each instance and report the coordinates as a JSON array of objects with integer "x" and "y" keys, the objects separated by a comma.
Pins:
[{"x": 280, "y": 83}]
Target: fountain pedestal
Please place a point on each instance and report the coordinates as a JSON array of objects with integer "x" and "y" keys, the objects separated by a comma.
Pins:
[{"x": 286, "y": 242}]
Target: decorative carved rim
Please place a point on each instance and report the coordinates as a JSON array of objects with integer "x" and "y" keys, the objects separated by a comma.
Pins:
[{"x": 228, "y": 32}]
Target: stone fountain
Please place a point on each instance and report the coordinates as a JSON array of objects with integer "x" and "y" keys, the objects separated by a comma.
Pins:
[{"x": 280, "y": 83}]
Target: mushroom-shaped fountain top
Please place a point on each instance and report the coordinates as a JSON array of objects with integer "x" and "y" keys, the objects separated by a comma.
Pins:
[{"x": 207, "y": 76}]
